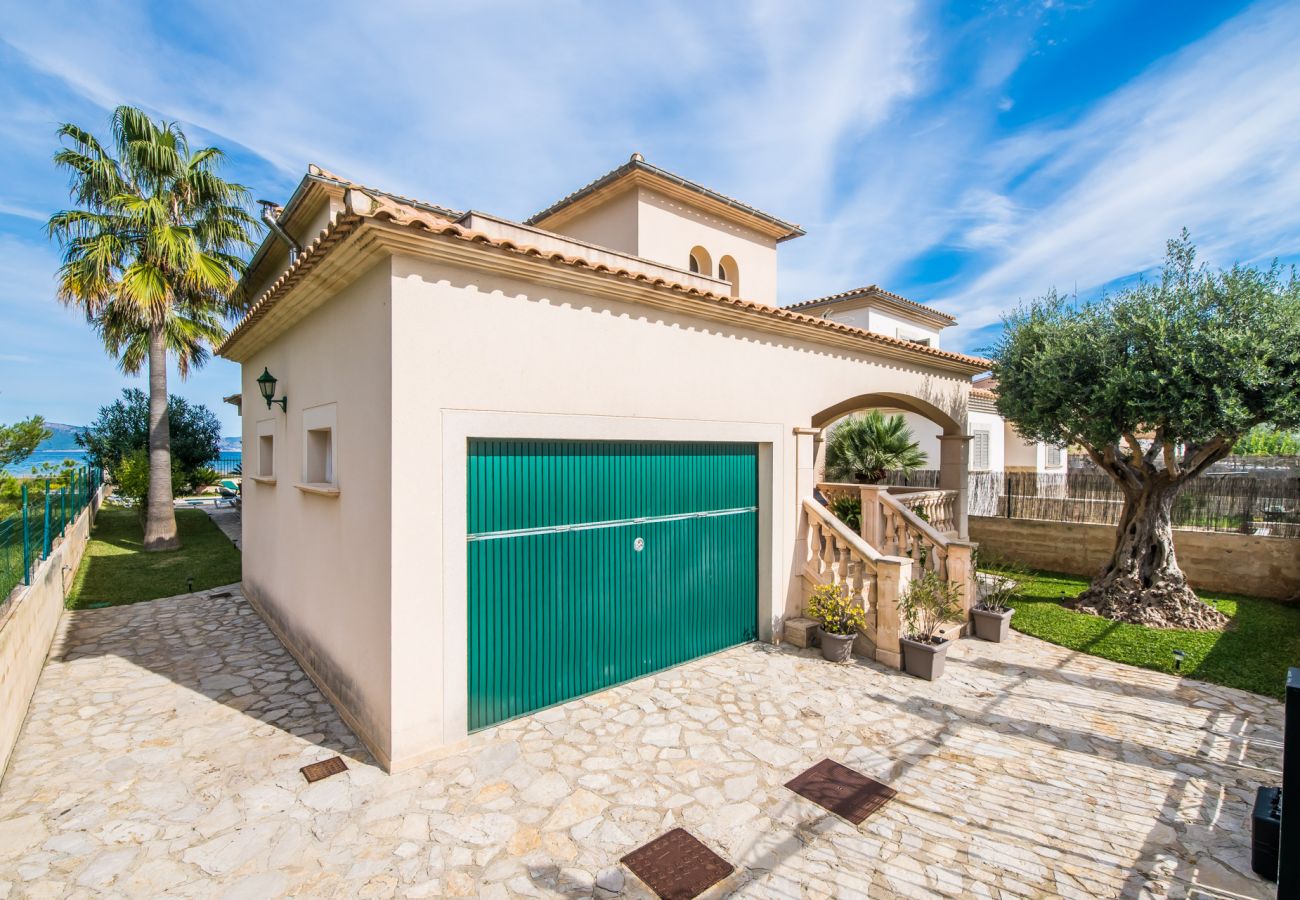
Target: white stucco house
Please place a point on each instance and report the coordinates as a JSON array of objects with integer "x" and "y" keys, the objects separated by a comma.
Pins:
[{"x": 493, "y": 465}]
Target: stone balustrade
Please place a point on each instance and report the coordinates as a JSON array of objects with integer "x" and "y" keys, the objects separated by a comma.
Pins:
[
  {"x": 836, "y": 555},
  {"x": 892, "y": 528}
]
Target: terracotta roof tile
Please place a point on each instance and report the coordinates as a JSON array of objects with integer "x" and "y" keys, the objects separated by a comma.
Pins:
[
  {"x": 637, "y": 162},
  {"x": 387, "y": 209},
  {"x": 871, "y": 289},
  {"x": 320, "y": 172}
]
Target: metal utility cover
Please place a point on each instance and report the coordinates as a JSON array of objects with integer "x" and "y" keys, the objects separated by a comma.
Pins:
[
  {"x": 324, "y": 769},
  {"x": 849, "y": 794},
  {"x": 677, "y": 866}
]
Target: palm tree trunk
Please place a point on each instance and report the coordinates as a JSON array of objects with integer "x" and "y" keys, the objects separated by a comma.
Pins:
[{"x": 160, "y": 517}]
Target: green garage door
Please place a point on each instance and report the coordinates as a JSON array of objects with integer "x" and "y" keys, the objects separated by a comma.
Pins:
[{"x": 595, "y": 562}]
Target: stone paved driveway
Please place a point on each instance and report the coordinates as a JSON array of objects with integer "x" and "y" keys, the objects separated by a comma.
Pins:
[{"x": 162, "y": 753}]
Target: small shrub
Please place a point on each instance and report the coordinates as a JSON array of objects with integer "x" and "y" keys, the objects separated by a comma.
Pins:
[
  {"x": 197, "y": 479},
  {"x": 929, "y": 602},
  {"x": 830, "y": 607},
  {"x": 131, "y": 476},
  {"x": 999, "y": 581},
  {"x": 849, "y": 511}
]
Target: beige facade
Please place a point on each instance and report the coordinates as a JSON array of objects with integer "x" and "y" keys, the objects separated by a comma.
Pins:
[{"x": 419, "y": 334}]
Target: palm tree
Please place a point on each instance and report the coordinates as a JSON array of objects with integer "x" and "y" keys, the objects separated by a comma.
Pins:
[
  {"x": 151, "y": 255},
  {"x": 865, "y": 448}
]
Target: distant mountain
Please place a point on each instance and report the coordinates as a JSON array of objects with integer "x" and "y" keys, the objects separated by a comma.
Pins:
[{"x": 63, "y": 439}]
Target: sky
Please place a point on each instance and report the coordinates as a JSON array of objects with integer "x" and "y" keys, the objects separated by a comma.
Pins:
[{"x": 970, "y": 156}]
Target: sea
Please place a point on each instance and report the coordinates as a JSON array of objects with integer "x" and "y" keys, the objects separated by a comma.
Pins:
[{"x": 227, "y": 461}]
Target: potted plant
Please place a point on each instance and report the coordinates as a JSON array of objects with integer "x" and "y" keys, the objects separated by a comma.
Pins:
[
  {"x": 838, "y": 621},
  {"x": 991, "y": 615},
  {"x": 928, "y": 602}
]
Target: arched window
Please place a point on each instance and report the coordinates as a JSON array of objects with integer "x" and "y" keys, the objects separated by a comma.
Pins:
[
  {"x": 728, "y": 271},
  {"x": 701, "y": 262}
]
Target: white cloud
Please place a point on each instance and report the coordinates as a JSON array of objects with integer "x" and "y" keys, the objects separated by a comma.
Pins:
[
  {"x": 507, "y": 107},
  {"x": 851, "y": 120},
  {"x": 1206, "y": 140}
]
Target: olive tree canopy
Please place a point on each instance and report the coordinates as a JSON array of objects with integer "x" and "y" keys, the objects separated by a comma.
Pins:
[{"x": 1156, "y": 383}]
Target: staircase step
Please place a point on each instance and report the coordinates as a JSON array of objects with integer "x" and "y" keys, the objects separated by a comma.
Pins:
[{"x": 953, "y": 630}]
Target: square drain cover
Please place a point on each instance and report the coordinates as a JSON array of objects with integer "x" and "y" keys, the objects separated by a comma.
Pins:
[
  {"x": 841, "y": 790},
  {"x": 677, "y": 866},
  {"x": 324, "y": 769}
]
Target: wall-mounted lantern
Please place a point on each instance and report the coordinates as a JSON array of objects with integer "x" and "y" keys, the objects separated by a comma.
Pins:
[{"x": 266, "y": 384}]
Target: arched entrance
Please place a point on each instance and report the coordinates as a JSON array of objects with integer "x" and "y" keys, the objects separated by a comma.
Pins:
[{"x": 953, "y": 443}]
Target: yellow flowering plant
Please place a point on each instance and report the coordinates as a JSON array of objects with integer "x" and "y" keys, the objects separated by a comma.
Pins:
[{"x": 830, "y": 607}]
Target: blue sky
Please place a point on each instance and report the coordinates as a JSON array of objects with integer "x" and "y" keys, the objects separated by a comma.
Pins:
[{"x": 966, "y": 155}]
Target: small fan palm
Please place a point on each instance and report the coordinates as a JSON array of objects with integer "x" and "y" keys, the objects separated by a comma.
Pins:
[
  {"x": 865, "y": 448},
  {"x": 151, "y": 256}
]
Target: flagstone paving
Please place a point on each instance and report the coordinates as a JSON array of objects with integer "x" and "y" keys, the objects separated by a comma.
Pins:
[{"x": 162, "y": 750}]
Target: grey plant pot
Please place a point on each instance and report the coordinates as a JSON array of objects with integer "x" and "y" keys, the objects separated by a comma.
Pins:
[
  {"x": 836, "y": 647},
  {"x": 990, "y": 625},
  {"x": 924, "y": 660}
]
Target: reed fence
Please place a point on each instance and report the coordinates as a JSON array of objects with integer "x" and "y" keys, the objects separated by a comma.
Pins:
[{"x": 1254, "y": 502}]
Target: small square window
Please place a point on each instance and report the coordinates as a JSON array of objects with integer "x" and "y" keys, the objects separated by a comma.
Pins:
[
  {"x": 320, "y": 456},
  {"x": 266, "y": 455},
  {"x": 1053, "y": 460}
]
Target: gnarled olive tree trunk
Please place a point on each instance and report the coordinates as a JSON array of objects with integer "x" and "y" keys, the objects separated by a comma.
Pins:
[
  {"x": 160, "y": 516},
  {"x": 1142, "y": 582}
]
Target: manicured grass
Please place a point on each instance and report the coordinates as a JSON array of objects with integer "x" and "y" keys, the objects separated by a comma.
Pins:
[
  {"x": 116, "y": 570},
  {"x": 1261, "y": 642}
]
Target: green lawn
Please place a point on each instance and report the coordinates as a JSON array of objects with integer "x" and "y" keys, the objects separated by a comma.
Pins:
[
  {"x": 1261, "y": 642},
  {"x": 116, "y": 570}
]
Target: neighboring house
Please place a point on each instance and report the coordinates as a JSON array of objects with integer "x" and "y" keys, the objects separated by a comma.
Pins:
[
  {"x": 506, "y": 463},
  {"x": 878, "y": 310},
  {"x": 1006, "y": 450},
  {"x": 995, "y": 445}
]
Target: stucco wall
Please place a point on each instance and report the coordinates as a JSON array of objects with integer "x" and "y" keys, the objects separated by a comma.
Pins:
[
  {"x": 882, "y": 322},
  {"x": 612, "y": 224},
  {"x": 668, "y": 230},
  {"x": 317, "y": 567},
  {"x": 1254, "y": 565},
  {"x": 894, "y": 325},
  {"x": 28, "y": 623},
  {"x": 479, "y": 353}
]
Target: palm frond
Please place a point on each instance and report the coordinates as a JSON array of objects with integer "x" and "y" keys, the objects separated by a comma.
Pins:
[{"x": 155, "y": 238}]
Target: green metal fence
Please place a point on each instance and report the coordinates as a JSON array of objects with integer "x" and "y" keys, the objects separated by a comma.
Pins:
[{"x": 36, "y": 516}]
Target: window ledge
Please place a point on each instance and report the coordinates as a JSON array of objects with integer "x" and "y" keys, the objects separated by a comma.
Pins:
[
  {"x": 323, "y": 488},
  {"x": 262, "y": 479}
]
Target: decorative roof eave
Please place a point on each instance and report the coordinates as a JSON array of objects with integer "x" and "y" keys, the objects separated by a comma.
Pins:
[
  {"x": 636, "y": 171},
  {"x": 394, "y": 225},
  {"x": 876, "y": 292},
  {"x": 316, "y": 180}
]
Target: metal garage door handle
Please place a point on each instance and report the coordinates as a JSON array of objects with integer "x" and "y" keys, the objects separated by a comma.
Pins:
[{"x": 612, "y": 523}]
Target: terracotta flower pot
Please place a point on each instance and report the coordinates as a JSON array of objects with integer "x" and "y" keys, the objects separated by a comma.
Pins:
[
  {"x": 992, "y": 625},
  {"x": 836, "y": 647},
  {"x": 924, "y": 660}
]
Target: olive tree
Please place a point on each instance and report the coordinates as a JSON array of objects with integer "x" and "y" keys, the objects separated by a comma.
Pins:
[{"x": 1156, "y": 382}]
